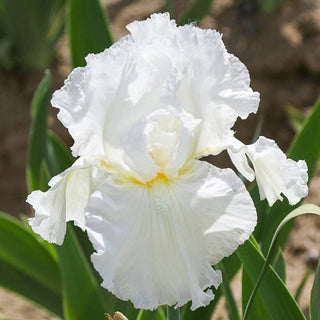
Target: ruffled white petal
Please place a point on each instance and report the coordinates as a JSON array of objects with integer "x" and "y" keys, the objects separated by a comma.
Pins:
[
  {"x": 214, "y": 88},
  {"x": 157, "y": 66},
  {"x": 64, "y": 201},
  {"x": 91, "y": 93},
  {"x": 155, "y": 244},
  {"x": 275, "y": 174}
]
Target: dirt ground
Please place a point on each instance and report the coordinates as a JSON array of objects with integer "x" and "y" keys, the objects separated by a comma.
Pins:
[{"x": 282, "y": 53}]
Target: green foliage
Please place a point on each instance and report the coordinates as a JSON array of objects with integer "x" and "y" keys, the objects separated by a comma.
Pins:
[
  {"x": 28, "y": 287},
  {"x": 227, "y": 292},
  {"x": 29, "y": 30},
  {"x": 196, "y": 11},
  {"x": 172, "y": 313},
  {"x": 58, "y": 156},
  {"x": 88, "y": 29},
  {"x": 26, "y": 267},
  {"x": 269, "y": 6},
  {"x": 273, "y": 293},
  {"x": 37, "y": 150},
  {"x": 302, "y": 284},
  {"x": 151, "y": 315},
  {"x": 279, "y": 265},
  {"x": 169, "y": 7},
  {"x": 19, "y": 248},
  {"x": 308, "y": 208},
  {"x": 296, "y": 117},
  {"x": 82, "y": 299},
  {"x": 315, "y": 296},
  {"x": 258, "y": 309}
]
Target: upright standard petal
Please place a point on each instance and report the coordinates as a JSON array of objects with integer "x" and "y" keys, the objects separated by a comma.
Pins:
[
  {"x": 157, "y": 66},
  {"x": 275, "y": 174},
  {"x": 155, "y": 243},
  {"x": 64, "y": 201}
]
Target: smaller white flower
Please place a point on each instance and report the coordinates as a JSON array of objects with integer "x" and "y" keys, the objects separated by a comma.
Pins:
[{"x": 274, "y": 172}]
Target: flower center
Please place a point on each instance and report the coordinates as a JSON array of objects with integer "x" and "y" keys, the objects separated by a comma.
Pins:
[{"x": 160, "y": 178}]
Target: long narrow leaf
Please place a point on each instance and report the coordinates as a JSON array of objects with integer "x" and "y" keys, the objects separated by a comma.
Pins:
[
  {"x": 302, "y": 284},
  {"x": 308, "y": 208},
  {"x": 230, "y": 301},
  {"x": 273, "y": 292},
  {"x": 20, "y": 283},
  {"x": 20, "y": 249},
  {"x": 38, "y": 132},
  {"x": 279, "y": 265},
  {"x": 33, "y": 28},
  {"x": 88, "y": 29},
  {"x": 59, "y": 157},
  {"x": 81, "y": 295},
  {"x": 315, "y": 296},
  {"x": 258, "y": 309}
]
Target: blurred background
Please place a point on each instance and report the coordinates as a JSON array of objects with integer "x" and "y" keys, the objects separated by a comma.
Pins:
[{"x": 278, "y": 41}]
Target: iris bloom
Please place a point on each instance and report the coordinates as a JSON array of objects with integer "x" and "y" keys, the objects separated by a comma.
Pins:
[{"x": 142, "y": 113}]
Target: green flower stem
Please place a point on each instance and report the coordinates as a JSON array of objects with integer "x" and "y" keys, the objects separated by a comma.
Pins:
[{"x": 173, "y": 314}]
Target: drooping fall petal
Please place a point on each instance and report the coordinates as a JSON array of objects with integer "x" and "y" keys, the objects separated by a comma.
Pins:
[{"x": 159, "y": 241}]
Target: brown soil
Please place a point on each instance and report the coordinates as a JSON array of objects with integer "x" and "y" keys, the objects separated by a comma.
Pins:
[{"x": 282, "y": 53}]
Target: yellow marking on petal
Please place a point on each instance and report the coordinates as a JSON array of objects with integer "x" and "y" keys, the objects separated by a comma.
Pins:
[
  {"x": 160, "y": 176},
  {"x": 105, "y": 165},
  {"x": 205, "y": 152},
  {"x": 184, "y": 169},
  {"x": 127, "y": 178}
]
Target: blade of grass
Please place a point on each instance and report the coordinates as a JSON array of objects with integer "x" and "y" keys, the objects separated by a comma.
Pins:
[{"x": 88, "y": 29}]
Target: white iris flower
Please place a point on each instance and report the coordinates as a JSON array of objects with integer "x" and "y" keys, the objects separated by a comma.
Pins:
[{"x": 141, "y": 114}]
